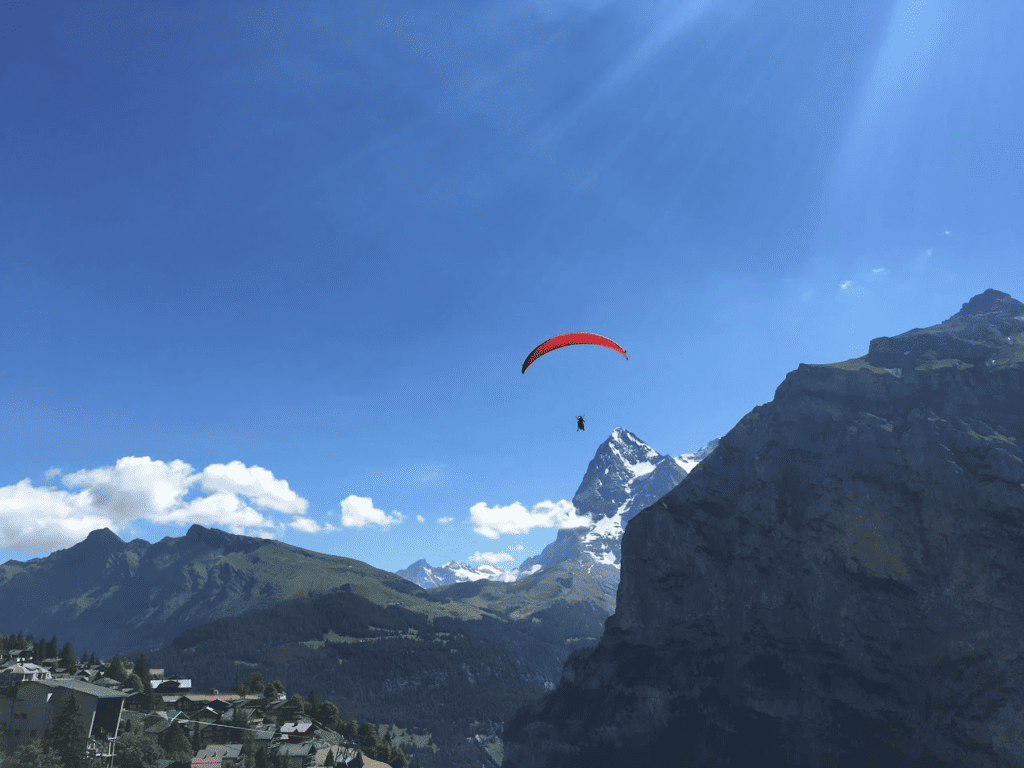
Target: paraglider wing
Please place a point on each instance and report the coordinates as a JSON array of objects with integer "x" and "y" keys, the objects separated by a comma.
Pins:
[{"x": 567, "y": 339}]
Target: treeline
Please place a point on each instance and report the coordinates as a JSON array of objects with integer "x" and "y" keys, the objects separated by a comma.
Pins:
[
  {"x": 452, "y": 678},
  {"x": 44, "y": 649}
]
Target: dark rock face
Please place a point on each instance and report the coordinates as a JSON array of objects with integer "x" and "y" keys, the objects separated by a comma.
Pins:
[{"x": 840, "y": 584}]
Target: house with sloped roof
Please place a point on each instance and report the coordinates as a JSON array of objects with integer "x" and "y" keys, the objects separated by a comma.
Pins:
[
  {"x": 35, "y": 704},
  {"x": 161, "y": 728},
  {"x": 12, "y": 674},
  {"x": 218, "y": 756},
  {"x": 191, "y": 702},
  {"x": 296, "y": 728},
  {"x": 294, "y": 755},
  {"x": 326, "y": 734}
]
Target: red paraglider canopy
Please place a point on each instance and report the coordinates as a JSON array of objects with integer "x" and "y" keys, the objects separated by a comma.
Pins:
[{"x": 566, "y": 339}]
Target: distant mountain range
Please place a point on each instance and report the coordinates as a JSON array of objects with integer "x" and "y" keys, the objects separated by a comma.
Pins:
[
  {"x": 106, "y": 595},
  {"x": 451, "y": 650},
  {"x": 625, "y": 476},
  {"x": 455, "y": 572}
]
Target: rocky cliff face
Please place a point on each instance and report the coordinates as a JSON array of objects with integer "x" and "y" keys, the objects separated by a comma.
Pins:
[{"x": 840, "y": 584}]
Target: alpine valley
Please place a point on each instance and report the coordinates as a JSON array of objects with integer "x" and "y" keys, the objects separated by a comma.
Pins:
[{"x": 447, "y": 652}]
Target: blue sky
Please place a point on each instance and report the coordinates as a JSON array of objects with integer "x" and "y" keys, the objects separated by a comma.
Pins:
[{"x": 274, "y": 267}]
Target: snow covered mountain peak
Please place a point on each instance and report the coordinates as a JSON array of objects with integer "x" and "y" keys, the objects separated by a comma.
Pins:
[
  {"x": 454, "y": 571},
  {"x": 625, "y": 476}
]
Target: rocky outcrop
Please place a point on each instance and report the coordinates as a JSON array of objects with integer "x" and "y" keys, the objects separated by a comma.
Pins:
[{"x": 840, "y": 584}]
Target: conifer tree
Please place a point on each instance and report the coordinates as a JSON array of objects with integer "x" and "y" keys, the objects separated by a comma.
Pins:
[
  {"x": 255, "y": 684},
  {"x": 178, "y": 745},
  {"x": 68, "y": 657},
  {"x": 33, "y": 755},
  {"x": 149, "y": 696},
  {"x": 51, "y": 648},
  {"x": 137, "y": 751},
  {"x": 141, "y": 669},
  {"x": 67, "y": 737},
  {"x": 298, "y": 702},
  {"x": 330, "y": 714},
  {"x": 397, "y": 759},
  {"x": 117, "y": 670}
]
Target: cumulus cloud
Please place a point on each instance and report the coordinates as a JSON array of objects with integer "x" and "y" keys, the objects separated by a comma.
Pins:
[
  {"x": 445, "y": 519},
  {"x": 421, "y": 518},
  {"x": 137, "y": 488},
  {"x": 491, "y": 522},
  {"x": 357, "y": 511},
  {"x": 257, "y": 483}
]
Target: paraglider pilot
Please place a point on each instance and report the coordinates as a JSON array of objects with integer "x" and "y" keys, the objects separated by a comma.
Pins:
[{"x": 579, "y": 424}]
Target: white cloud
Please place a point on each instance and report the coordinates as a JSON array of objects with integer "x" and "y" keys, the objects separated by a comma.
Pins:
[
  {"x": 257, "y": 483},
  {"x": 357, "y": 511},
  {"x": 845, "y": 285},
  {"x": 306, "y": 525},
  {"x": 445, "y": 519},
  {"x": 52, "y": 472},
  {"x": 491, "y": 522},
  {"x": 491, "y": 558},
  {"x": 46, "y": 518},
  {"x": 421, "y": 518},
  {"x": 135, "y": 487},
  {"x": 140, "y": 489}
]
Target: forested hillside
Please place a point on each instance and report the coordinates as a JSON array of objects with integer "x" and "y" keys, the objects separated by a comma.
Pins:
[{"x": 458, "y": 680}]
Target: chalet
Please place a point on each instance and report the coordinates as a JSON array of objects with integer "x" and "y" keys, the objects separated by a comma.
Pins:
[
  {"x": 264, "y": 735},
  {"x": 295, "y": 755},
  {"x": 13, "y": 674},
  {"x": 87, "y": 675},
  {"x": 218, "y": 756},
  {"x": 161, "y": 728},
  {"x": 292, "y": 730},
  {"x": 35, "y": 703},
  {"x": 191, "y": 702}
]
